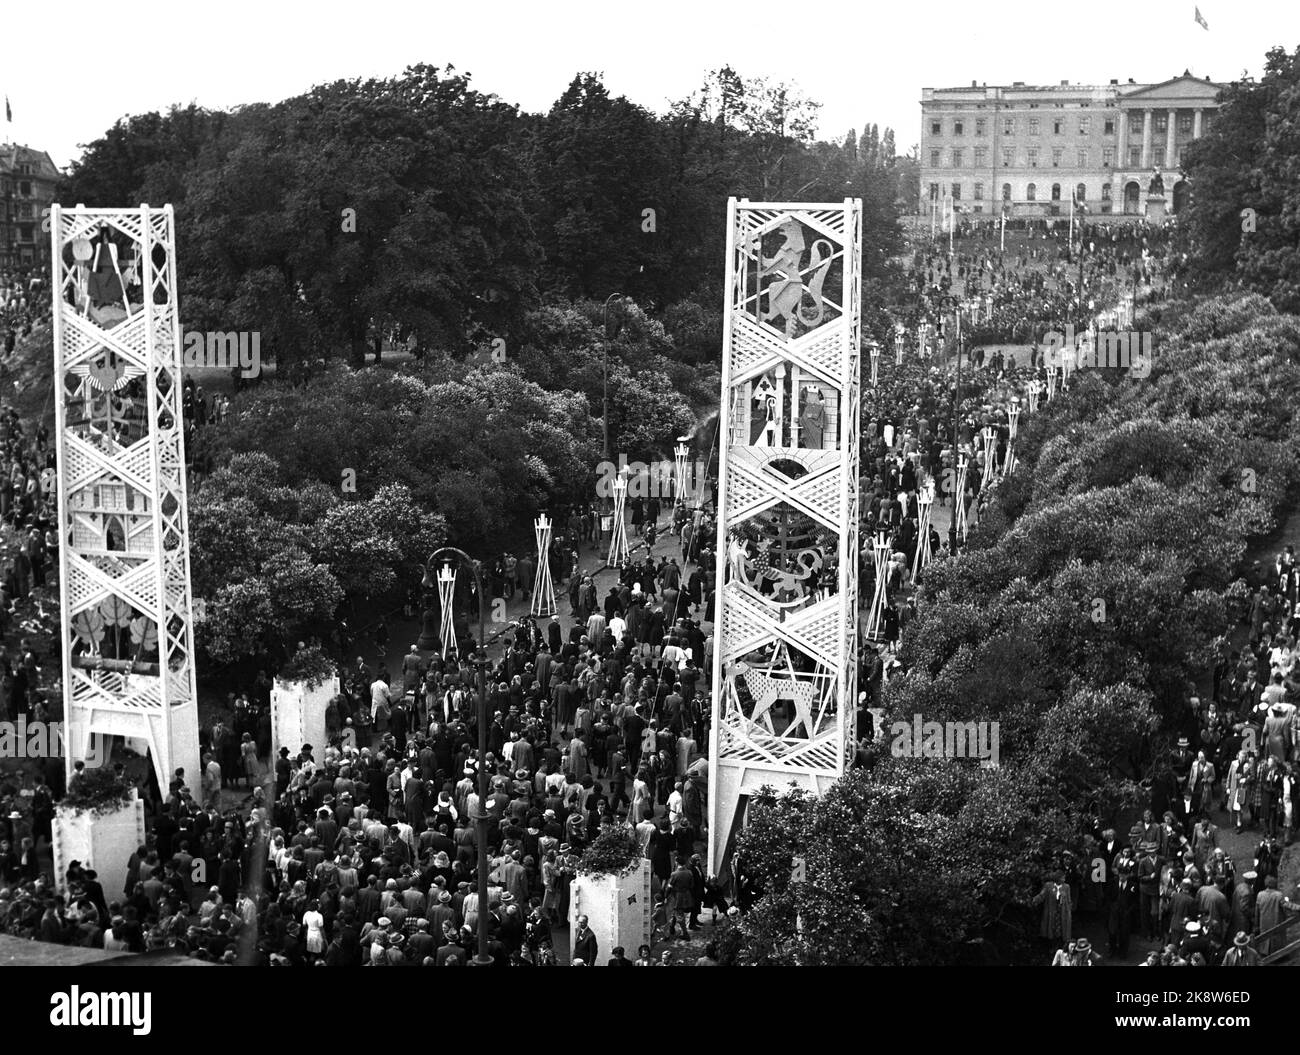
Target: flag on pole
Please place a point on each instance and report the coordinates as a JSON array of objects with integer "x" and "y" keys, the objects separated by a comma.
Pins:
[
  {"x": 1200, "y": 19},
  {"x": 9, "y": 114}
]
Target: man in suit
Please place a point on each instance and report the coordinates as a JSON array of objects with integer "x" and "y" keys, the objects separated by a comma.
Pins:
[
  {"x": 584, "y": 943},
  {"x": 1200, "y": 784}
]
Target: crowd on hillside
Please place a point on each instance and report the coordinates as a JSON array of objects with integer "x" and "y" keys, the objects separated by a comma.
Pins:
[
  {"x": 24, "y": 304},
  {"x": 28, "y": 555}
]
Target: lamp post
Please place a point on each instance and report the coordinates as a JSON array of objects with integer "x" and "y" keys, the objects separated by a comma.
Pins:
[
  {"x": 604, "y": 421},
  {"x": 874, "y": 349},
  {"x": 898, "y": 344},
  {"x": 482, "y": 959}
]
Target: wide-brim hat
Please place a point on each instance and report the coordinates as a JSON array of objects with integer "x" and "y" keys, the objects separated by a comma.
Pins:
[{"x": 1241, "y": 940}]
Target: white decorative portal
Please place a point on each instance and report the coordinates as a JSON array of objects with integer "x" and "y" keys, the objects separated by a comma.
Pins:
[
  {"x": 959, "y": 505},
  {"x": 874, "y": 630},
  {"x": 446, "y": 594},
  {"x": 785, "y": 661},
  {"x": 543, "y": 588},
  {"x": 124, "y": 566},
  {"x": 619, "y": 553},
  {"x": 680, "y": 453},
  {"x": 924, "y": 500}
]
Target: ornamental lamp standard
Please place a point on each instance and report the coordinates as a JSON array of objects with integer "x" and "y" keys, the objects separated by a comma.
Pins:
[
  {"x": 899, "y": 333},
  {"x": 481, "y": 818},
  {"x": 874, "y": 349}
]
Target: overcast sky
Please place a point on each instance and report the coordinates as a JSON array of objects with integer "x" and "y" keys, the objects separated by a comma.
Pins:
[{"x": 873, "y": 60}]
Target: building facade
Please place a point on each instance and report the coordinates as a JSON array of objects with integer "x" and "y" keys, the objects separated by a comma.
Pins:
[
  {"x": 1027, "y": 150},
  {"x": 29, "y": 181}
]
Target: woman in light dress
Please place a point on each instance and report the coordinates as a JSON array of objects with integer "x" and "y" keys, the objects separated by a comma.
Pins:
[{"x": 315, "y": 924}]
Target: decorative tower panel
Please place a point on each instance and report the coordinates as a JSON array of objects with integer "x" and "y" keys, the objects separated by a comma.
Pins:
[
  {"x": 785, "y": 657},
  {"x": 128, "y": 649}
]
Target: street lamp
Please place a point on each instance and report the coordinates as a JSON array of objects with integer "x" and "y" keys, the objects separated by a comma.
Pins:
[
  {"x": 604, "y": 421},
  {"x": 898, "y": 344},
  {"x": 874, "y": 350},
  {"x": 430, "y": 583}
]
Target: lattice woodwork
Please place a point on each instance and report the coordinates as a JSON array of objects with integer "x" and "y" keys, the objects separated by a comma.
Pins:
[
  {"x": 124, "y": 558},
  {"x": 785, "y": 661}
]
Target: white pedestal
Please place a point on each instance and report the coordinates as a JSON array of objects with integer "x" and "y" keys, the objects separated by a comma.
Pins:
[
  {"x": 104, "y": 842},
  {"x": 619, "y": 911},
  {"x": 298, "y": 716}
]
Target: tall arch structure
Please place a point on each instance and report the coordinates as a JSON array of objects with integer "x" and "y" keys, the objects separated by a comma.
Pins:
[
  {"x": 124, "y": 574},
  {"x": 785, "y": 649}
]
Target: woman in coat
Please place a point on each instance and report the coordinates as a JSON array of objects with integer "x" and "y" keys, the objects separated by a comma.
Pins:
[{"x": 1056, "y": 924}]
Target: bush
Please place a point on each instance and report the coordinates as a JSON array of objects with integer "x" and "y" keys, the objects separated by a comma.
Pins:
[
  {"x": 615, "y": 852},
  {"x": 310, "y": 665},
  {"x": 97, "y": 792}
]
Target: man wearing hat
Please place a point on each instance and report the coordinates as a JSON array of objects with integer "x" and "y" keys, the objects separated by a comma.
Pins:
[
  {"x": 1084, "y": 955},
  {"x": 1241, "y": 954},
  {"x": 1243, "y": 901},
  {"x": 1195, "y": 940},
  {"x": 440, "y": 912}
]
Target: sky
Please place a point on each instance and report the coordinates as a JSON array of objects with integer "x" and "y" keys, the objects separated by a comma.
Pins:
[{"x": 864, "y": 61}]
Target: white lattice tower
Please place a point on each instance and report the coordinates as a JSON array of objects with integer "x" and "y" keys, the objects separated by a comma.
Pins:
[
  {"x": 1013, "y": 420},
  {"x": 543, "y": 588},
  {"x": 680, "y": 453},
  {"x": 124, "y": 582},
  {"x": 959, "y": 510},
  {"x": 924, "y": 500},
  {"x": 618, "y": 547},
  {"x": 874, "y": 630},
  {"x": 446, "y": 605},
  {"x": 1035, "y": 390},
  {"x": 990, "y": 437},
  {"x": 792, "y": 317},
  {"x": 1051, "y": 383}
]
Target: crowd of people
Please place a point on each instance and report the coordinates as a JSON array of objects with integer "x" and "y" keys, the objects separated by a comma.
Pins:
[{"x": 362, "y": 850}]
